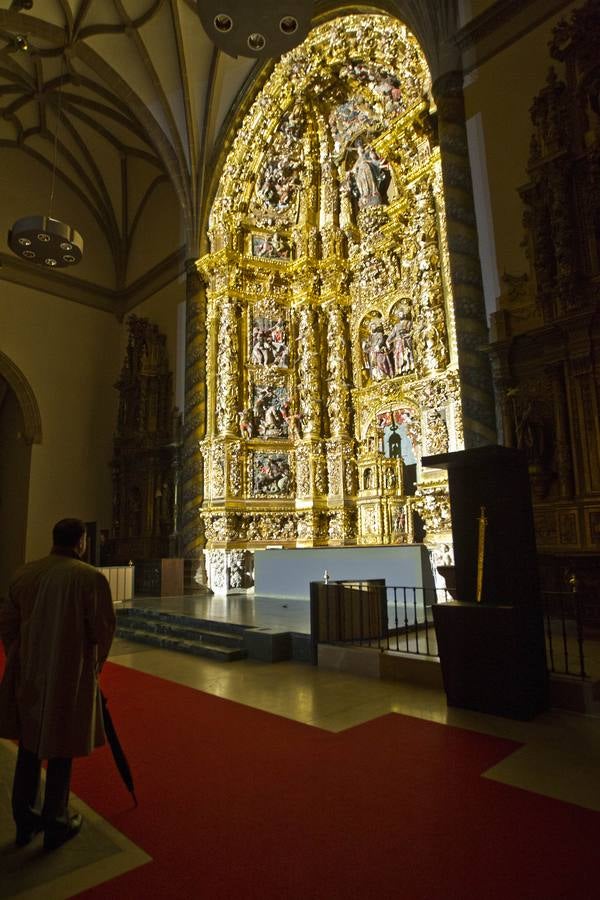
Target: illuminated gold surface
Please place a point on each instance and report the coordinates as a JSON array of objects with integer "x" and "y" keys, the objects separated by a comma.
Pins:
[{"x": 329, "y": 305}]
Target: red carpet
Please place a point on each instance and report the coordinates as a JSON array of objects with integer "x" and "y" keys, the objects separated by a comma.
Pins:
[
  {"x": 236, "y": 803},
  {"x": 240, "y": 803}
]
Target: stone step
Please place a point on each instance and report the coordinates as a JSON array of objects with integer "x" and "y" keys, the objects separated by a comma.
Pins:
[
  {"x": 168, "y": 628},
  {"x": 199, "y": 647},
  {"x": 176, "y": 618}
]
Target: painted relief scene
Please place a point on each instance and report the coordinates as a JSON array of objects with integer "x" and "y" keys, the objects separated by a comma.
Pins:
[
  {"x": 270, "y": 341},
  {"x": 271, "y": 474},
  {"x": 270, "y": 412},
  {"x": 271, "y": 246},
  {"x": 387, "y": 350},
  {"x": 276, "y": 191}
]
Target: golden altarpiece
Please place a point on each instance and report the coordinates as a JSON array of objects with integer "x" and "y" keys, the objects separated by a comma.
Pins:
[
  {"x": 546, "y": 340},
  {"x": 331, "y": 347}
]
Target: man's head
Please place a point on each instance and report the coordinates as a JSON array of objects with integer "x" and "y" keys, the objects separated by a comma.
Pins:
[{"x": 69, "y": 534}]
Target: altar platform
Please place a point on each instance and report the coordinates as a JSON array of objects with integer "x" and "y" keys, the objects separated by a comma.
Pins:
[{"x": 248, "y": 610}]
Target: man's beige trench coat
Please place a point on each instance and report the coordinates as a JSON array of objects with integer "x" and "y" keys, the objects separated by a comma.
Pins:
[{"x": 57, "y": 626}]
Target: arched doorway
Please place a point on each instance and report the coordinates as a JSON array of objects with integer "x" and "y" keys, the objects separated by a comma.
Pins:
[
  {"x": 329, "y": 302},
  {"x": 20, "y": 427}
]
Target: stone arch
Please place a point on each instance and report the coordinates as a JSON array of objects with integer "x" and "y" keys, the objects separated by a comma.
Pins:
[{"x": 27, "y": 401}]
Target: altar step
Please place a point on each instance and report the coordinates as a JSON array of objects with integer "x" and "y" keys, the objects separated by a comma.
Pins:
[{"x": 222, "y": 641}]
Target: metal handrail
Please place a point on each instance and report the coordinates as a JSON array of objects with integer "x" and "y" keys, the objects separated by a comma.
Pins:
[
  {"x": 404, "y": 623},
  {"x": 565, "y": 632}
]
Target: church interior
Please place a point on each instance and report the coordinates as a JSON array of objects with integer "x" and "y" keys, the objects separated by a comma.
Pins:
[{"x": 256, "y": 290}]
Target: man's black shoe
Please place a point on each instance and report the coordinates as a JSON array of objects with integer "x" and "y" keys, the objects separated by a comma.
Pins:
[
  {"x": 28, "y": 829},
  {"x": 58, "y": 833}
]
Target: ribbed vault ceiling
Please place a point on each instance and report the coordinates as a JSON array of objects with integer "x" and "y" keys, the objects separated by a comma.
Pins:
[
  {"x": 124, "y": 100},
  {"x": 116, "y": 96}
]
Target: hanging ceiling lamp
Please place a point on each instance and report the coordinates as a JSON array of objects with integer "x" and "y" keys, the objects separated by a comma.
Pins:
[
  {"x": 262, "y": 31},
  {"x": 42, "y": 239}
]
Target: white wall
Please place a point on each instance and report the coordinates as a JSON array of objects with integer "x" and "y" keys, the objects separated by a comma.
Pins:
[{"x": 70, "y": 354}]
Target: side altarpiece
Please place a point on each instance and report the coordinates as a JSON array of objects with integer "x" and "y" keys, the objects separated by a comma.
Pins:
[
  {"x": 146, "y": 452},
  {"x": 545, "y": 338}
]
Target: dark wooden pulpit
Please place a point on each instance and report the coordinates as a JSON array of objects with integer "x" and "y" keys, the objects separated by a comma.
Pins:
[{"x": 492, "y": 650}]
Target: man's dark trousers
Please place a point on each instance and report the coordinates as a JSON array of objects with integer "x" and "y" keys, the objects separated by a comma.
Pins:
[{"x": 26, "y": 788}]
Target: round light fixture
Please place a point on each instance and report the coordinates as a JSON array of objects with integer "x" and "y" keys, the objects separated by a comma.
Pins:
[
  {"x": 263, "y": 31},
  {"x": 46, "y": 241},
  {"x": 223, "y": 23},
  {"x": 288, "y": 25},
  {"x": 256, "y": 41}
]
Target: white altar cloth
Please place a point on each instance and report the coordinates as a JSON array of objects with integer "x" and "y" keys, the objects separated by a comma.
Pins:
[{"x": 288, "y": 573}]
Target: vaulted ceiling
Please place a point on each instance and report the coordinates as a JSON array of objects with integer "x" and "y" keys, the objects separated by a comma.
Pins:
[
  {"x": 123, "y": 99},
  {"x": 110, "y": 112}
]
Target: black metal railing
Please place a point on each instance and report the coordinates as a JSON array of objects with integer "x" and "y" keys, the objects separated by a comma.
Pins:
[
  {"x": 369, "y": 614},
  {"x": 564, "y": 625},
  {"x": 400, "y": 619},
  {"x": 410, "y": 620}
]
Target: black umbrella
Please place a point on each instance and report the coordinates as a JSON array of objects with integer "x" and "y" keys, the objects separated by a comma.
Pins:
[{"x": 117, "y": 750}]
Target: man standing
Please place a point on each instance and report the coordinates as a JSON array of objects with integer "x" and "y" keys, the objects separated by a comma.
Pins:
[{"x": 57, "y": 626}]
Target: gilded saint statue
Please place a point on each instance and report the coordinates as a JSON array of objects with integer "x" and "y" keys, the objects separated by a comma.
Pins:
[{"x": 367, "y": 178}]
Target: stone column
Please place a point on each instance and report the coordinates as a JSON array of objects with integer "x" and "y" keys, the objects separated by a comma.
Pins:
[
  {"x": 465, "y": 267},
  {"x": 194, "y": 424}
]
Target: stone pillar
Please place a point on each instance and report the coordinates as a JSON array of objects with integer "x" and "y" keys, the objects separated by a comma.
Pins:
[
  {"x": 194, "y": 424},
  {"x": 465, "y": 268}
]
